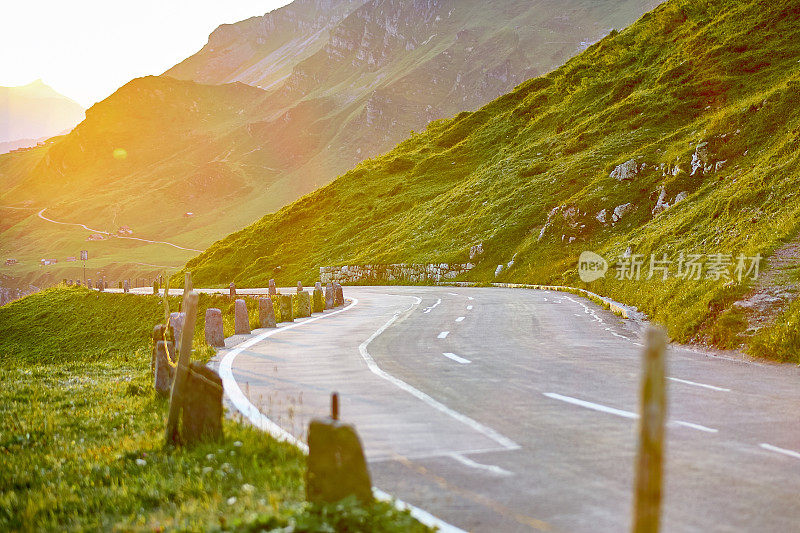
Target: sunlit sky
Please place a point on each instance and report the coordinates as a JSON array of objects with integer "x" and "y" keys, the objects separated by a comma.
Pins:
[{"x": 86, "y": 49}]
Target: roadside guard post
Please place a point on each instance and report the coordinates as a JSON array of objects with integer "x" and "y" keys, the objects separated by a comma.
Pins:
[
  {"x": 653, "y": 414},
  {"x": 336, "y": 467}
]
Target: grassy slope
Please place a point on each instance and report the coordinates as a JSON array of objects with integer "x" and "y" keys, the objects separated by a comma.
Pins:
[
  {"x": 724, "y": 72},
  {"x": 77, "y": 411},
  {"x": 231, "y": 153}
]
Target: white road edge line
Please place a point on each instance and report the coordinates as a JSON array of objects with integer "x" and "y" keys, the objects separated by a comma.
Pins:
[
  {"x": 705, "y": 386},
  {"x": 770, "y": 447},
  {"x": 460, "y": 319},
  {"x": 466, "y": 461},
  {"x": 464, "y": 419},
  {"x": 453, "y": 294},
  {"x": 620, "y": 412},
  {"x": 260, "y": 421},
  {"x": 443, "y": 335},
  {"x": 456, "y": 358},
  {"x": 423, "y": 516}
]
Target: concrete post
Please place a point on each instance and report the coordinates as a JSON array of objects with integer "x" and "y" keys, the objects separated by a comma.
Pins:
[
  {"x": 330, "y": 296},
  {"x": 241, "y": 320},
  {"x": 266, "y": 313},
  {"x": 302, "y": 304},
  {"x": 318, "y": 301},
  {"x": 653, "y": 411},
  {"x": 299, "y": 286},
  {"x": 89, "y": 283},
  {"x": 339, "y": 295},
  {"x": 202, "y": 405},
  {"x": 272, "y": 288},
  {"x": 336, "y": 467},
  {"x": 318, "y": 286},
  {"x": 232, "y": 289},
  {"x": 285, "y": 307},
  {"x": 176, "y": 323},
  {"x": 163, "y": 372},
  {"x": 214, "y": 333},
  {"x": 126, "y": 287}
]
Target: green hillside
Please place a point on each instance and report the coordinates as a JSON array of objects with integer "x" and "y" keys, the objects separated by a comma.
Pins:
[
  {"x": 270, "y": 109},
  {"x": 530, "y": 174}
]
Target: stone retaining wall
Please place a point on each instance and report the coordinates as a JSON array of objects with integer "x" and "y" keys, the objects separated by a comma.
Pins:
[{"x": 401, "y": 272}]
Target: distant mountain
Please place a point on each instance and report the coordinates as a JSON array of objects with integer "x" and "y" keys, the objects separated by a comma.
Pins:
[
  {"x": 10, "y": 146},
  {"x": 35, "y": 111},
  {"x": 348, "y": 79},
  {"x": 274, "y": 107},
  {"x": 671, "y": 148}
]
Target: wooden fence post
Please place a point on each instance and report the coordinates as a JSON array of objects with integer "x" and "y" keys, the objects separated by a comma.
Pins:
[
  {"x": 175, "y": 403},
  {"x": 187, "y": 282},
  {"x": 649, "y": 460}
]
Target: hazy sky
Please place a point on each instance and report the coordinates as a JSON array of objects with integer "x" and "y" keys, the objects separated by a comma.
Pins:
[{"x": 86, "y": 49}]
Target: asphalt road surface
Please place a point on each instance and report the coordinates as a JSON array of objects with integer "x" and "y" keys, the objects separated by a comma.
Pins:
[{"x": 514, "y": 410}]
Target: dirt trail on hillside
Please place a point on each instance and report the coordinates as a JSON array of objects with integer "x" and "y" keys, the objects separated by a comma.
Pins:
[
  {"x": 87, "y": 228},
  {"x": 777, "y": 285}
]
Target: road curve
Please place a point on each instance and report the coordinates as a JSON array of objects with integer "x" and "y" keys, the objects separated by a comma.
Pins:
[
  {"x": 514, "y": 410},
  {"x": 40, "y": 214}
]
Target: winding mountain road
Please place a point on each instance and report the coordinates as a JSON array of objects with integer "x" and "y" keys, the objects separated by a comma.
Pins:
[
  {"x": 40, "y": 214},
  {"x": 515, "y": 410}
]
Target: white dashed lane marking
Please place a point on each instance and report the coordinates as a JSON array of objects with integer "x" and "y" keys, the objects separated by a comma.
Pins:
[
  {"x": 621, "y": 413},
  {"x": 784, "y": 451},
  {"x": 696, "y": 384},
  {"x": 443, "y": 335},
  {"x": 456, "y": 358}
]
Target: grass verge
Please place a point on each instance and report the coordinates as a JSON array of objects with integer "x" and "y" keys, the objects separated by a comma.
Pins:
[{"x": 81, "y": 435}]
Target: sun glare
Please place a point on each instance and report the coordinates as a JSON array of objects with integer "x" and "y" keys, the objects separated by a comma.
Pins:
[{"x": 85, "y": 50}]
